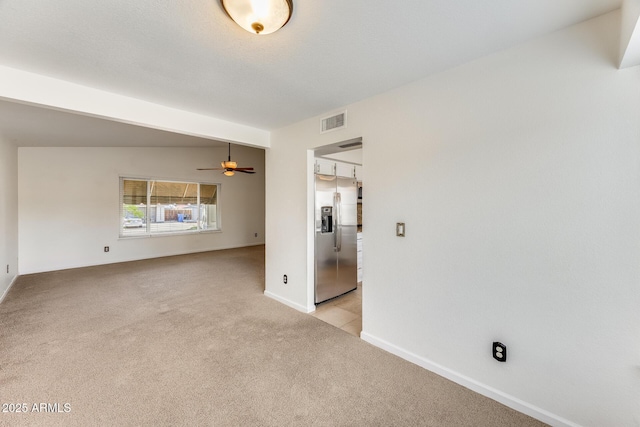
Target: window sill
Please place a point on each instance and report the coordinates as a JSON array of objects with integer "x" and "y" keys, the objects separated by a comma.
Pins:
[{"x": 175, "y": 233}]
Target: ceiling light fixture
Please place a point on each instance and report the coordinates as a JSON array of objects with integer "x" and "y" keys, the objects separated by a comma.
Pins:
[
  {"x": 259, "y": 16},
  {"x": 228, "y": 164}
]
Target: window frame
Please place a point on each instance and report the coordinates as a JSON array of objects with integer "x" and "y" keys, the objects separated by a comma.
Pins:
[{"x": 147, "y": 211}]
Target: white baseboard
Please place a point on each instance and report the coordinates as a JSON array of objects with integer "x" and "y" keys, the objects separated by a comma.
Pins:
[
  {"x": 27, "y": 270},
  {"x": 290, "y": 303},
  {"x": 483, "y": 389},
  {"x": 6, "y": 291}
]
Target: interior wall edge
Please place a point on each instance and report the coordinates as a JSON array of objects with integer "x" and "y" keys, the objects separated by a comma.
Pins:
[
  {"x": 6, "y": 291},
  {"x": 288, "y": 302}
]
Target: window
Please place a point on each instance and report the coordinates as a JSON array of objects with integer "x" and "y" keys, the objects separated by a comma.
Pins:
[{"x": 150, "y": 207}]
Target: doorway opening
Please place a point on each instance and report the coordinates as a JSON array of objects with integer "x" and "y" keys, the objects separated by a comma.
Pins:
[{"x": 337, "y": 231}]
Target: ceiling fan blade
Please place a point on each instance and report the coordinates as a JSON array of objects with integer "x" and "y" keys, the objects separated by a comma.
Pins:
[{"x": 228, "y": 166}]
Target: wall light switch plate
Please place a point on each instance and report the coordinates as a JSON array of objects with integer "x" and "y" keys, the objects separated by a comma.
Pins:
[{"x": 400, "y": 229}]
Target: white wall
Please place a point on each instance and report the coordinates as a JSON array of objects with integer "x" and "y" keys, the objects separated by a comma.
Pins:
[
  {"x": 69, "y": 203},
  {"x": 8, "y": 214},
  {"x": 519, "y": 187}
]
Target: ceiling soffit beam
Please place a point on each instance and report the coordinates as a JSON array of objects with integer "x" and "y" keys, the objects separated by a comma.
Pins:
[
  {"x": 630, "y": 34},
  {"x": 35, "y": 89}
]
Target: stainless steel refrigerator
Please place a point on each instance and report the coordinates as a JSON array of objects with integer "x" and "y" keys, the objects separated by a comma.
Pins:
[{"x": 336, "y": 226}]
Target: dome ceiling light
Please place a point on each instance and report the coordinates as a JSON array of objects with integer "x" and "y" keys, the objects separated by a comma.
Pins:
[{"x": 259, "y": 16}]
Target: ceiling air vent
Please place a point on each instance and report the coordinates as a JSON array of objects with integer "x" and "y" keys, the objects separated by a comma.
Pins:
[
  {"x": 351, "y": 144},
  {"x": 338, "y": 121}
]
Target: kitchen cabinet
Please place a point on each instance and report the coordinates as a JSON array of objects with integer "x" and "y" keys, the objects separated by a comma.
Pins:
[
  {"x": 345, "y": 169},
  {"x": 331, "y": 167},
  {"x": 358, "y": 172},
  {"x": 325, "y": 166}
]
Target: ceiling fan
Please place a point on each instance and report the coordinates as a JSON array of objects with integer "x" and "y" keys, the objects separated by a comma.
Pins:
[{"x": 229, "y": 167}]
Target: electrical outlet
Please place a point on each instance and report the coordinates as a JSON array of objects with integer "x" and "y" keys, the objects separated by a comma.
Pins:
[
  {"x": 499, "y": 351},
  {"x": 285, "y": 279},
  {"x": 106, "y": 248},
  {"x": 255, "y": 234}
]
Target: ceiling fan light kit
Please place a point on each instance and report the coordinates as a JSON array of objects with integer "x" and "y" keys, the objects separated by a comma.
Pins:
[
  {"x": 259, "y": 16},
  {"x": 229, "y": 164}
]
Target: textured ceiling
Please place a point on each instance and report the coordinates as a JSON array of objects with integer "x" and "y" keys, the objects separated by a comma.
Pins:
[{"x": 190, "y": 55}]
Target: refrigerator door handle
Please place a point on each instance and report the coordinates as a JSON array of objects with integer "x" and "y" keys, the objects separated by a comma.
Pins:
[
  {"x": 338, "y": 229},
  {"x": 335, "y": 222}
]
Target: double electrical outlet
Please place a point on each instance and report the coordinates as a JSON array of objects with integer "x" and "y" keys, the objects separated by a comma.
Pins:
[{"x": 499, "y": 351}]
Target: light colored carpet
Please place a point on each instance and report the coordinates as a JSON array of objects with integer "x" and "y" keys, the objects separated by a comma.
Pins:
[{"x": 191, "y": 340}]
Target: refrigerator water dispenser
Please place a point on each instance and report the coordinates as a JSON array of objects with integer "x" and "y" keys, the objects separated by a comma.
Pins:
[{"x": 327, "y": 219}]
